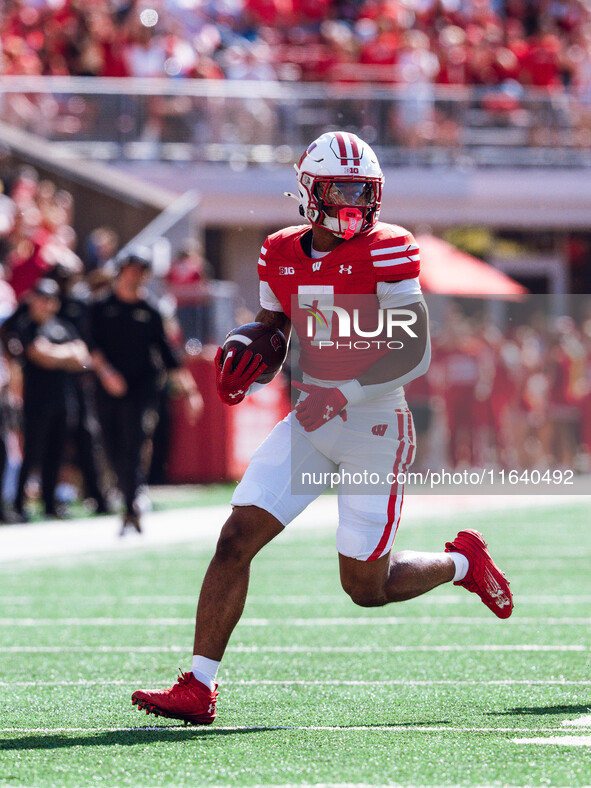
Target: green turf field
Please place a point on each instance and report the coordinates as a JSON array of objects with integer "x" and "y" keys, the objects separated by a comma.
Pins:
[{"x": 435, "y": 691}]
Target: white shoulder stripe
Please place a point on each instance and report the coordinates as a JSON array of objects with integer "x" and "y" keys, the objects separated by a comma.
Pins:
[
  {"x": 263, "y": 250},
  {"x": 262, "y": 262},
  {"x": 398, "y": 261},
  {"x": 395, "y": 249}
]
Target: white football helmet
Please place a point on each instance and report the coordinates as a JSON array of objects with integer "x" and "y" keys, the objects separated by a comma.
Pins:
[{"x": 340, "y": 184}]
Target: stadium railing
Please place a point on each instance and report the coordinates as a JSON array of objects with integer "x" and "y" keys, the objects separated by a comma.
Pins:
[
  {"x": 244, "y": 122},
  {"x": 167, "y": 232},
  {"x": 212, "y": 315}
]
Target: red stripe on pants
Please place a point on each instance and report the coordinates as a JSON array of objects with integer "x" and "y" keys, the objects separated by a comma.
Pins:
[{"x": 394, "y": 488}]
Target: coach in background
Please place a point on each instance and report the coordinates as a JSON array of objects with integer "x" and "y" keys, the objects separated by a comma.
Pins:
[
  {"x": 84, "y": 429},
  {"x": 132, "y": 358},
  {"x": 49, "y": 350}
]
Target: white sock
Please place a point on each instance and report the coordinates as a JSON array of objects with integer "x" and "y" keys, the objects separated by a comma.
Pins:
[
  {"x": 205, "y": 670},
  {"x": 461, "y": 564}
]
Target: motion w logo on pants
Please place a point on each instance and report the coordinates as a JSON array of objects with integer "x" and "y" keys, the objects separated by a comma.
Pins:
[{"x": 379, "y": 429}]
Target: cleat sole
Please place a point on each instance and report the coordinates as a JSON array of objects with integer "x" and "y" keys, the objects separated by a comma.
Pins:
[{"x": 158, "y": 712}]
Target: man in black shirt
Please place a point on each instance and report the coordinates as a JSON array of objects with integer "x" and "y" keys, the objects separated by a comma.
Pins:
[
  {"x": 131, "y": 358},
  {"x": 75, "y": 309},
  {"x": 50, "y": 350}
]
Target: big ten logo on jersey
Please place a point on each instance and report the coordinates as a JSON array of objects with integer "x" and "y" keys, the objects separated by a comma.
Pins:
[{"x": 286, "y": 270}]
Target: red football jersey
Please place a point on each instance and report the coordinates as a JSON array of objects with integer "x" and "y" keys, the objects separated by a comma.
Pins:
[{"x": 386, "y": 253}]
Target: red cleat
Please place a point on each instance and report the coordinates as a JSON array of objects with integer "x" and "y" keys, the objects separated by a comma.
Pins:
[
  {"x": 187, "y": 700},
  {"x": 484, "y": 577}
]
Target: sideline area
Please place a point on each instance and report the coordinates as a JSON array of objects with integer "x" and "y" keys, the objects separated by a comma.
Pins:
[{"x": 63, "y": 538}]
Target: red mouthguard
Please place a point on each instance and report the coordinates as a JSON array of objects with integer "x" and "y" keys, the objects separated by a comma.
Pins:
[{"x": 353, "y": 217}]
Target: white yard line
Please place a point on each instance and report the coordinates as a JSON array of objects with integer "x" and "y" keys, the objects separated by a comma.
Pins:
[
  {"x": 322, "y": 683},
  {"x": 263, "y": 729},
  {"x": 297, "y": 649},
  {"x": 106, "y": 621},
  {"x": 580, "y": 722},
  {"x": 563, "y": 741},
  {"x": 276, "y": 600},
  {"x": 201, "y": 525}
]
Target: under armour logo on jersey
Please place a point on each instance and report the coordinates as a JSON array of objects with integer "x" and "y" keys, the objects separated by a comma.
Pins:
[
  {"x": 316, "y": 265},
  {"x": 379, "y": 429},
  {"x": 346, "y": 269}
]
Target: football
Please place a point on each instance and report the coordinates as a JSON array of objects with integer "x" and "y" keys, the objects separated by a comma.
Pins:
[{"x": 261, "y": 339}]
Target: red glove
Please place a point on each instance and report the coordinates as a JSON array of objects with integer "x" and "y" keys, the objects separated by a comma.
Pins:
[
  {"x": 233, "y": 385},
  {"x": 321, "y": 405}
]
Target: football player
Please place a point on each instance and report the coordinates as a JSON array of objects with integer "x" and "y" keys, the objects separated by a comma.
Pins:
[{"x": 351, "y": 416}]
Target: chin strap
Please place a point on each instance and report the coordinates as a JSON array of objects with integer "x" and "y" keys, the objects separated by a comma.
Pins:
[{"x": 353, "y": 219}]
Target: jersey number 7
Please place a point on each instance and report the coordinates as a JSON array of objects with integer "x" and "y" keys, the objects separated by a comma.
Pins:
[{"x": 312, "y": 299}]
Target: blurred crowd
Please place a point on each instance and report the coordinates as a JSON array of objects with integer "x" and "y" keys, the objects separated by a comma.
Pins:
[
  {"x": 37, "y": 239},
  {"x": 513, "y": 399},
  {"x": 542, "y": 43},
  {"x": 503, "y": 47},
  {"x": 69, "y": 354}
]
